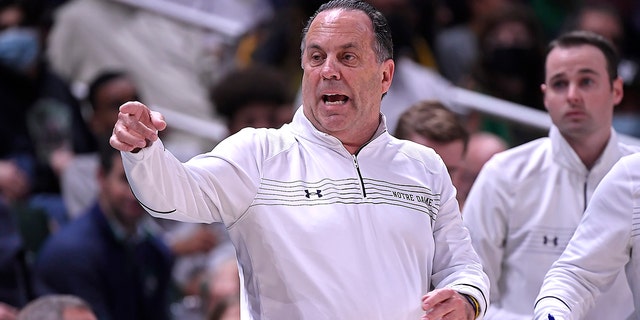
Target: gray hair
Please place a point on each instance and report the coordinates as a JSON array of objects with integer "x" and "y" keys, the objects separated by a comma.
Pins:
[
  {"x": 383, "y": 45},
  {"x": 51, "y": 307}
]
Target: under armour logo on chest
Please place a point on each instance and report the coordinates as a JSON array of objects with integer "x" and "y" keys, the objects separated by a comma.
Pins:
[
  {"x": 547, "y": 240},
  {"x": 309, "y": 194}
]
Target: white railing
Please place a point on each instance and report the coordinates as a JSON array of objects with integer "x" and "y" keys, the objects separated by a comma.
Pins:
[
  {"x": 500, "y": 108},
  {"x": 186, "y": 14},
  {"x": 200, "y": 127}
]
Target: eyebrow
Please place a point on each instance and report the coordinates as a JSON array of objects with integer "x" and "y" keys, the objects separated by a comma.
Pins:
[
  {"x": 584, "y": 71},
  {"x": 588, "y": 71},
  {"x": 344, "y": 46}
]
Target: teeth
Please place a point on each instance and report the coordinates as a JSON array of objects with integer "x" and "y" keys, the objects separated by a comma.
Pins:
[{"x": 334, "y": 99}]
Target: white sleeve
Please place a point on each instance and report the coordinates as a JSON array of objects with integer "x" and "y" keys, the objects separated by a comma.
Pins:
[
  {"x": 484, "y": 214},
  {"x": 454, "y": 244},
  {"x": 213, "y": 187},
  {"x": 597, "y": 252}
]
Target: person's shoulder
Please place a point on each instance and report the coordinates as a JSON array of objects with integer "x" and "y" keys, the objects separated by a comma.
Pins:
[
  {"x": 411, "y": 148},
  {"x": 251, "y": 134},
  {"x": 628, "y": 149},
  {"x": 417, "y": 152},
  {"x": 265, "y": 138},
  {"x": 524, "y": 151},
  {"x": 522, "y": 159},
  {"x": 631, "y": 160},
  {"x": 66, "y": 246},
  {"x": 78, "y": 235}
]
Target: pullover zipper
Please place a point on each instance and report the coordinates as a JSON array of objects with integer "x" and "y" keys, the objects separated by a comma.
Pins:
[
  {"x": 584, "y": 193},
  {"x": 355, "y": 163}
]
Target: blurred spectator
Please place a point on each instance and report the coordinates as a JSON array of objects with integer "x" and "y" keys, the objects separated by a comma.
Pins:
[
  {"x": 412, "y": 27},
  {"x": 15, "y": 276},
  {"x": 57, "y": 307},
  {"x": 106, "y": 93},
  {"x": 275, "y": 43},
  {"x": 191, "y": 244},
  {"x": 80, "y": 182},
  {"x": 510, "y": 66},
  {"x": 255, "y": 96},
  {"x": 412, "y": 83},
  {"x": 626, "y": 116},
  {"x": 228, "y": 309},
  {"x": 481, "y": 147},
  {"x": 432, "y": 124},
  {"x": 89, "y": 36},
  {"x": 456, "y": 44},
  {"x": 42, "y": 122},
  {"x": 552, "y": 14},
  {"x": 106, "y": 257},
  {"x": 415, "y": 76},
  {"x": 8, "y": 312},
  {"x": 11, "y": 14},
  {"x": 222, "y": 282}
]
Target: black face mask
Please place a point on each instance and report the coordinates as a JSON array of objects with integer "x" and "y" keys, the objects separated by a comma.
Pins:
[{"x": 513, "y": 61}]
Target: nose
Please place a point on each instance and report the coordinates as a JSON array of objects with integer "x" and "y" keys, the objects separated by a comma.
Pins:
[
  {"x": 573, "y": 94},
  {"x": 329, "y": 69}
]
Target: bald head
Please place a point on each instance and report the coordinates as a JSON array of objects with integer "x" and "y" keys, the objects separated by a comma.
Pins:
[{"x": 482, "y": 146}]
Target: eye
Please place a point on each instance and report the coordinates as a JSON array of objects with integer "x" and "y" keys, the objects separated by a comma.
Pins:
[
  {"x": 559, "y": 84},
  {"x": 349, "y": 58},
  {"x": 316, "y": 59},
  {"x": 586, "y": 82}
]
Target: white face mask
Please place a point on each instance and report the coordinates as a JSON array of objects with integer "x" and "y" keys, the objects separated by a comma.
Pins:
[{"x": 19, "y": 48}]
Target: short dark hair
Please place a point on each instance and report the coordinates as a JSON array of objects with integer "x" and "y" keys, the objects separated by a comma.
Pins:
[
  {"x": 252, "y": 84},
  {"x": 383, "y": 45},
  {"x": 99, "y": 81},
  {"x": 582, "y": 37},
  {"x": 432, "y": 120}
]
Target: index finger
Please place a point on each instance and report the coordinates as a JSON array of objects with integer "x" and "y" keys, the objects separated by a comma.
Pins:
[
  {"x": 435, "y": 297},
  {"x": 139, "y": 118},
  {"x": 133, "y": 107}
]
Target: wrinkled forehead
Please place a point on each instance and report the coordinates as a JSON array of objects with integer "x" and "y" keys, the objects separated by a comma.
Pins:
[{"x": 341, "y": 21}]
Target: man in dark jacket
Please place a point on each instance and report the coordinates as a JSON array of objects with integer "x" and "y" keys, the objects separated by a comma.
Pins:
[{"x": 106, "y": 257}]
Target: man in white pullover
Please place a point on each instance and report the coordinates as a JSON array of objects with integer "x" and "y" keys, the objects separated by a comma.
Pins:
[
  {"x": 603, "y": 243},
  {"x": 527, "y": 201},
  {"x": 331, "y": 217}
]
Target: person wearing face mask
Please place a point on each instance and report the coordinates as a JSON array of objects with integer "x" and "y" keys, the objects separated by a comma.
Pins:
[
  {"x": 19, "y": 49},
  {"x": 42, "y": 124},
  {"x": 416, "y": 76},
  {"x": 509, "y": 65}
]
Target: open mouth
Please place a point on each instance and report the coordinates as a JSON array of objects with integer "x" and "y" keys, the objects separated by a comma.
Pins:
[{"x": 334, "y": 99}]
